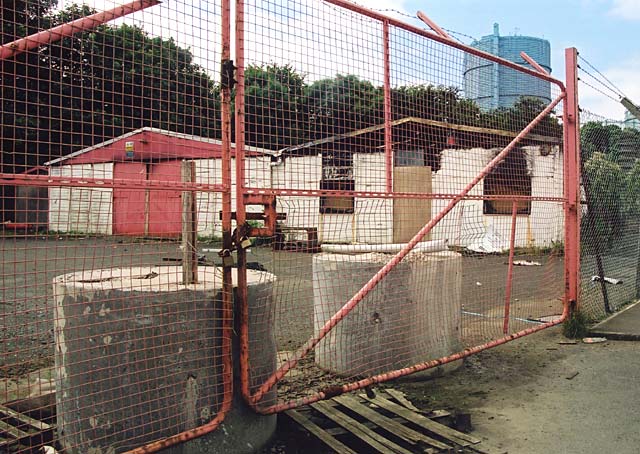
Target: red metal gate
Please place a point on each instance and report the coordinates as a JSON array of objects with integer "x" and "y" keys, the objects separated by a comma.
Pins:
[
  {"x": 505, "y": 186},
  {"x": 127, "y": 359},
  {"x": 403, "y": 223}
]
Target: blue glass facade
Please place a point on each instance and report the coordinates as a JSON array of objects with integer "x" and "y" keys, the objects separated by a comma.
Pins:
[{"x": 491, "y": 85}]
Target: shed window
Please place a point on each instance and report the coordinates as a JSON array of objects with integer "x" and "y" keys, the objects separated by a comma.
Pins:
[
  {"x": 337, "y": 205},
  {"x": 337, "y": 175},
  {"x": 510, "y": 178},
  {"x": 410, "y": 158}
]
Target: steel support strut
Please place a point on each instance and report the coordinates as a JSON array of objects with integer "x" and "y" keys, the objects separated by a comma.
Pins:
[{"x": 71, "y": 28}]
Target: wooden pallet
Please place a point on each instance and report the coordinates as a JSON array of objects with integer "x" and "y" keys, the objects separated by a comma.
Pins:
[
  {"x": 19, "y": 432},
  {"x": 387, "y": 423}
]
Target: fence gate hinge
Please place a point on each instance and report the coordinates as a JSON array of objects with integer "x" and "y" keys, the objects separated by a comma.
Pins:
[{"x": 227, "y": 73}]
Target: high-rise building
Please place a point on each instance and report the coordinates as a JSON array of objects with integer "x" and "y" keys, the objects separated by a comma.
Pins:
[{"x": 492, "y": 85}]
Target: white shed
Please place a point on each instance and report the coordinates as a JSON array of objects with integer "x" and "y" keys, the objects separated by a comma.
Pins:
[{"x": 320, "y": 165}]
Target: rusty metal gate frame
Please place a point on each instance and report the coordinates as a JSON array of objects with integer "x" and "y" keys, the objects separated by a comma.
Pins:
[
  {"x": 90, "y": 22},
  {"x": 227, "y": 245},
  {"x": 252, "y": 196}
]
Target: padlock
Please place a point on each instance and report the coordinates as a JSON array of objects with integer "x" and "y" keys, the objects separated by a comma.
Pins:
[
  {"x": 245, "y": 243},
  {"x": 228, "y": 261}
]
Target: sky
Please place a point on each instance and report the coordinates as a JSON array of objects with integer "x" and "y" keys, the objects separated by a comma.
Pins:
[{"x": 601, "y": 30}]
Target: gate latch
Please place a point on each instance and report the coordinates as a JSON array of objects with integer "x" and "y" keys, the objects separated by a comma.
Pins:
[{"x": 227, "y": 74}]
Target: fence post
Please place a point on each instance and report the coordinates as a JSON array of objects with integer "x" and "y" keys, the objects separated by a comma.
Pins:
[
  {"x": 571, "y": 122},
  {"x": 242, "y": 309},
  {"x": 388, "y": 139},
  {"x": 189, "y": 226},
  {"x": 512, "y": 246}
]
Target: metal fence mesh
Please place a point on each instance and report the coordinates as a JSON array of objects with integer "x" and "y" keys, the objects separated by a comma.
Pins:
[
  {"x": 375, "y": 129},
  {"x": 95, "y": 129},
  {"x": 610, "y": 225},
  {"x": 353, "y": 132}
]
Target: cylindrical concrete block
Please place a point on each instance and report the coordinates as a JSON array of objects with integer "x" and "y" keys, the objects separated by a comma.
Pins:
[
  {"x": 413, "y": 315},
  {"x": 138, "y": 358}
]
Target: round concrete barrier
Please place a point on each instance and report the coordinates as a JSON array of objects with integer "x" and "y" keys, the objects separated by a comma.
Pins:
[
  {"x": 138, "y": 358},
  {"x": 413, "y": 315}
]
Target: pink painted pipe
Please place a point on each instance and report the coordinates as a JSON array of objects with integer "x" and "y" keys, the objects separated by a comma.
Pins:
[{"x": 70, "y": 28}]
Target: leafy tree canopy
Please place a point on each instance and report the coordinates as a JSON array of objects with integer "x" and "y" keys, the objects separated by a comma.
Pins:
[
  {"x": 97, "y": 85},
  {"x": 274, "y": 106},
  {"x": 342, "y": 104}
]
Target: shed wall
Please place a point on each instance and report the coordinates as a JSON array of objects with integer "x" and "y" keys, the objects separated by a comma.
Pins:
[
  {"x": 86, "y": 210},
  {"x": 90, "y": 210}
]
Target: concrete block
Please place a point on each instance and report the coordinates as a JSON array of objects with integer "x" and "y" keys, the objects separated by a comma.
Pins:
[
  {"x": 411, "y": 316},
  {"x": 138, "y": 358}
]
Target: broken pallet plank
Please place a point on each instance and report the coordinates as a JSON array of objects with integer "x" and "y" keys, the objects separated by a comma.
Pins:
[
  {"x": 376, "y": 441},
  {"x": 24, "y": 419},
  {"x": 446, "y": 432},
  {"x": 14, "y": 434},
  {"x": 400, "y": 397},
  {"x": 409, "y": 435},
  {"x": 316, "y": 430},
  {"x": 369, "y": 424},
  {"x": 438, "y": 414}
]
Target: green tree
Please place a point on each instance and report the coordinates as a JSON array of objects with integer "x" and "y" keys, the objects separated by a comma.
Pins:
[
  {"x": 342, "y": 104},
  {"x": 518, "y": 117},
  {"x": 633, "y": 189},
  {"x": 23, "y": 17},
  {"x": 596, "y": 137},
  {"x": 432, "y": 102},
  {"x": 100, "y": 84},
  {"x": 93, "y": 86},
  {"x": 606, "y": 184},
  {"x": 274, "y": 106}
]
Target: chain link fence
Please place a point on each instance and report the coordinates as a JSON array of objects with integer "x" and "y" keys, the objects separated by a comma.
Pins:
[
  {"x": 421, "y": 210},
  {"x": 610, "y": 229}
]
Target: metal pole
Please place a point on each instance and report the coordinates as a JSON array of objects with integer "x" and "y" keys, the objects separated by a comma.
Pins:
[
  {"x": 432, "y": 25},
  {"x": 242, "y": 292},
  {"x": 388, "y": 132},
  {"x": 71, "y": 28},
  {"x": 571, "y": 123},
  {"x": 227, "y": 287},
  {"x": 512, "y": 244},
  {"x": 534, "y": 63}
]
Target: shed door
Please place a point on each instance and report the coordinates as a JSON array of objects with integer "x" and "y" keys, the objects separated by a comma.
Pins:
[
  {"x": 165, "y": 207},
  {"x": 147, "y": 213},
  {"x": 129, "y": 204},
  {"x": 410, "y": 215}
]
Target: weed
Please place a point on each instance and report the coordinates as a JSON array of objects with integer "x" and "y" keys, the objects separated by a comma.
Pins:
[{"x": 576, "y": 326}]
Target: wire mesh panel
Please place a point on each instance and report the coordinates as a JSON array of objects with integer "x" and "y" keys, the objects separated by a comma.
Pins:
[
  {"x": 609, "y": 229},
  {"x": 111, "y": 167},
  {"x": 413, "y": 219}
]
